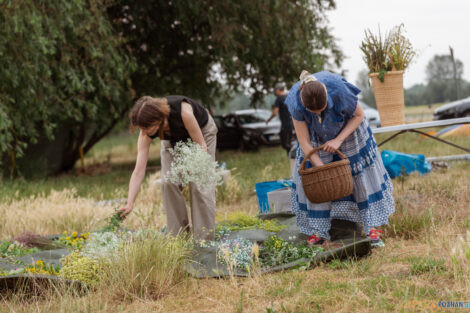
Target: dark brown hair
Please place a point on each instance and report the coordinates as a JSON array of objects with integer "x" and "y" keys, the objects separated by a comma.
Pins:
[
  {"x": 147, "y": 111},
  {"x": 313, "y": 95}
]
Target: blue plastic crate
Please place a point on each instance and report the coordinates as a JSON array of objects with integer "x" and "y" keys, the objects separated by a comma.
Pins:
[{"x": 263, "y": 188}]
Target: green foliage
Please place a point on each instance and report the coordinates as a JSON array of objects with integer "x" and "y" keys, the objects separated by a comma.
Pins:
[
  {"x": 243, "y": 221},
  {"x": 64, "y": 77},
  {"x": 191, "y": 47},
  {"x": 114, "y": 222},
  {"x": 277, "y": 251},
  {"x": 392, "y": 52},
  {"x": 12, "y": 249}
]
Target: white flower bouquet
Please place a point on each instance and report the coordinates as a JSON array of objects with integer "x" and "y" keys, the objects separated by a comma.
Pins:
[{"x": 192, "y": 164}]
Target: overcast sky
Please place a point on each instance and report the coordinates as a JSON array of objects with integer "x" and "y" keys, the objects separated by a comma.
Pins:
[{"x": 432, "y": 26}]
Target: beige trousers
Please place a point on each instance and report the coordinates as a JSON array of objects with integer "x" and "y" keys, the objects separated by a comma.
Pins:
[{"x": 202, "y": 203}]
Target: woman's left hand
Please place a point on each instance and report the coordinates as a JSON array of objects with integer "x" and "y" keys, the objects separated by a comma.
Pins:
[{"x": 332, "y": 145}]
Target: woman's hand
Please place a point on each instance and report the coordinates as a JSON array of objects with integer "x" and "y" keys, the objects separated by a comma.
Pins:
[
  {"x": 332, "y": 145},
  {"x": 125, "y": 210}
]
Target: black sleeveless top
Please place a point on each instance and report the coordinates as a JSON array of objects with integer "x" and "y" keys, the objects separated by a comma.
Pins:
[{"x": 178, "y": 131}]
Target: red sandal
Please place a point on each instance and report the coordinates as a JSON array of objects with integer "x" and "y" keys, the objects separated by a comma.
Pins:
[
  {"x": 315, "y": 240},
  {"x": 375, "y": 236}
]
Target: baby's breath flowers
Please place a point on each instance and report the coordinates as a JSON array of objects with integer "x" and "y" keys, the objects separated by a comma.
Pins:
[
  {"x": 236, "y": 253},
  {"x": 192, "y": 164}
]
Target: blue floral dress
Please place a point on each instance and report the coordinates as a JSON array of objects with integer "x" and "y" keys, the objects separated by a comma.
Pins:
[{"x": 371, "y": 202}]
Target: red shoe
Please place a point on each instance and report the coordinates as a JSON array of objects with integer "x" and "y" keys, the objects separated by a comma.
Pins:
[
  {"x": 375, "y": 236},
  {"x": 315, "y": 240}
]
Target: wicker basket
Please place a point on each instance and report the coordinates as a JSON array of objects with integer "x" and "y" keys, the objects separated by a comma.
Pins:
[
  {"x": 327, "y": 182},
  {"x": 389, "y": 96}
]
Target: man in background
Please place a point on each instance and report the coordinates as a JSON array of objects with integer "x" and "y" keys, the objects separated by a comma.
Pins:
[{"x": 286, "y": 121}]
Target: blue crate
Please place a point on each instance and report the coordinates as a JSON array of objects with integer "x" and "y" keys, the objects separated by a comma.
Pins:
[{"x": 263, "y": 188}]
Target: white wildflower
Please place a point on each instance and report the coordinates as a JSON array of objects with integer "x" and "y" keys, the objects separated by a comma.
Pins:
[{"x": 192, "y": 164}]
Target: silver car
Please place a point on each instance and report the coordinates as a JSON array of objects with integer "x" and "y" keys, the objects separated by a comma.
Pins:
[
  {"x": 372, "y": 115},
  {"x": 255, "y": 120},
  {"x": 455, "y": 109}
]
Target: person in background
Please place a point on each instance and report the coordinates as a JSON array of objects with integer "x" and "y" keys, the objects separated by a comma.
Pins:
[
  {"x": 279, "y": 107},
  {"x": 174, "y": 119}
]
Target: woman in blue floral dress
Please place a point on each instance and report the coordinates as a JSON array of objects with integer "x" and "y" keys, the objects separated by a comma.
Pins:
[{"x": 325, "y": 111}]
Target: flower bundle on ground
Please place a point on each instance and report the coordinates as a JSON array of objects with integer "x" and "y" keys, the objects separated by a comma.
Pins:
[
  {"x": 236, "y": 253},
  {"x": 102, "y": 244},
  {"x": 277, "y": 251},
  {"x": 14, "y": 249},
  {"x": 40, "y": 268},
  {"x": 192, "y": 164},
  {"x": 243, "y": 221},
  {"x": 73, "y": 240},
  {"x": 81, "y": 268}
]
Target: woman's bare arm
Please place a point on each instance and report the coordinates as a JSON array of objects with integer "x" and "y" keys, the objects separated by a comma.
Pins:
[
  {"x": 304, "y": 141},
  {"x": 143, "y": 147},
  {"x": 191, "y": 124}
]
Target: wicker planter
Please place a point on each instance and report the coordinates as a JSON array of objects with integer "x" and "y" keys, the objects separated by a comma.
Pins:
[
  {"x": 328, "y": 182},
  {"x": 389, "y": 97}
]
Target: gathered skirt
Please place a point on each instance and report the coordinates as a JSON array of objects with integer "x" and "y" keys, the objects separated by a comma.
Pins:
[{"x": 371, "y": 202}]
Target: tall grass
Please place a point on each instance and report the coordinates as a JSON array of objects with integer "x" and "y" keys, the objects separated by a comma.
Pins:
[
  {"x": 65, "y": 210},
  {"x": 148, "y": 267}
]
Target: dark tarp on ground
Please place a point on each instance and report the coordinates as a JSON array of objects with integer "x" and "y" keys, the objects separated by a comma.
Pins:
[
  {"x": 348, "y": 233},
  {"x": 205, "y": 259}
]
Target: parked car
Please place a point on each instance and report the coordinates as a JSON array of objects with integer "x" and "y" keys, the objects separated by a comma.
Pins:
[
  {"x": 247, "y": 129},
  {"x": 372, "y": 115},
  {"x": 455, "y": 109}
]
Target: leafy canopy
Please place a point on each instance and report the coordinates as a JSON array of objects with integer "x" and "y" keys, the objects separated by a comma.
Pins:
[{"x": 196, "y": 47}]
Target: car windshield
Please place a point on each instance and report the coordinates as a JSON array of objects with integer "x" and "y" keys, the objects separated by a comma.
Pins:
[{"x": 255, "y": 117}]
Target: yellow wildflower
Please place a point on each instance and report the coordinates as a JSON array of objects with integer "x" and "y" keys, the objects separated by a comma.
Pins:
[{"x": 74, "y": 234}]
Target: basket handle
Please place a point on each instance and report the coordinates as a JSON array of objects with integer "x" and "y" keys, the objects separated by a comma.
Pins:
[{"x": 308, "y": 155}]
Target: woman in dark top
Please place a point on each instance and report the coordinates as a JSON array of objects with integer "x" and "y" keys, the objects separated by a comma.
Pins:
[{"x": 173, "y": 119}]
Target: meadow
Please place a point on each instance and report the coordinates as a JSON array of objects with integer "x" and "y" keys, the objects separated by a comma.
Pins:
[{"x": 426, "y": 258}]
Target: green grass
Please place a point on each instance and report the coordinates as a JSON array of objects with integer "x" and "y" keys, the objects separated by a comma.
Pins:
[{"x": 429, "y": 264}]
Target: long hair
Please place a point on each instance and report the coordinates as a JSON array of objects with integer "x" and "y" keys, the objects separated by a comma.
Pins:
[{"x": 147, "y": 111}]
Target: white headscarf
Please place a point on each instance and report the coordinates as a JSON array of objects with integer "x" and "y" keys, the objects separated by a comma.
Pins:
[{"x": 306, "y": 77}]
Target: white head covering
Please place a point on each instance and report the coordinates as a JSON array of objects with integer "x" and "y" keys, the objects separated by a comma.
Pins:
[{"x": 306, "y": 77}]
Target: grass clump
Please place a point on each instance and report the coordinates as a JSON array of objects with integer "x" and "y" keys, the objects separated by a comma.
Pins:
[{"x": 148, "y": 267}]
